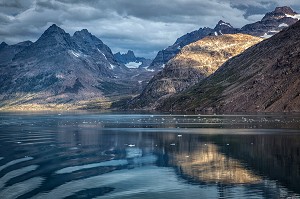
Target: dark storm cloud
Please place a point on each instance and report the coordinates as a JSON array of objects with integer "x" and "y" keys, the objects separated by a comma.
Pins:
[
  {"x": 11, "y": 3},
  {"x": 141, "y": 25}
]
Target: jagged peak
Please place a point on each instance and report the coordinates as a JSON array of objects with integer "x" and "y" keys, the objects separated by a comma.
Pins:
[
  {"x": 83, "y": 32},
  {"x": 285, "y": 10},
  {"x": 52, "y": 35},
  {"x": 85, "y": 35},
  {"x": 222, "y": 23},
  {"x": 54, "y": 28},
  {"x": 130, "y": 52},
  {"x": 3, "y": 44},
  {"x": 278, "y": 13}
]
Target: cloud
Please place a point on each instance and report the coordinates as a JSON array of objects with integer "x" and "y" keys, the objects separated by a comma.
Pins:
[
  {"x": 143, "y": 26},
  {"x": 11, "y": 3}
]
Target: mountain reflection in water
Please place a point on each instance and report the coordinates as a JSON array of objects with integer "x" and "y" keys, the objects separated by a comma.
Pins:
[
  {"x": 86, "y": 156},
  {"x": 207, "y": 164}
]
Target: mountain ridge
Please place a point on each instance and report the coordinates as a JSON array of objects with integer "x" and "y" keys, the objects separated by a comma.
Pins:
[
  {"x": 195, "y": 62},
  {"x": 131, "y": 61},
  {"x": 60, "y": 70},
  {"x": 252, "y": 82},
  {"x": 267, "y": 27}
]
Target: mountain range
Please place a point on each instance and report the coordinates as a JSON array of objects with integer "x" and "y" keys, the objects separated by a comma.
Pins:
[
  {"x": 264, "y": 78},
  {"x": 271, "y": 23},
  {"x": 79, "y": 71},
  {"x": 131, "y": 61},
  {"x": 195, "y": 62},
  {"x": 60, "y": 69}
]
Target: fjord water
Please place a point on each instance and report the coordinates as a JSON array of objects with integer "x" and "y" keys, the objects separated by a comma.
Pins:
[{"x": 106, "y": 155}]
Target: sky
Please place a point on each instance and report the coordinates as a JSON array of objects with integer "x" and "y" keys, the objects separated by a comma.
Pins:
[{"x": 144, "y": 26}]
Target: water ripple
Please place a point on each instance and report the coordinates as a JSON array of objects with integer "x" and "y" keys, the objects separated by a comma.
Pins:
[
  {"x": 89, "y": 166},
  {"x": 15, "y": 162},
  {"x": 16, "y": 173},
  {"x": 21, "y": 188}
]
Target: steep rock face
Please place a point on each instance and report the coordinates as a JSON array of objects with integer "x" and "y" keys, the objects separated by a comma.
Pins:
[
  {"x": 195, "y": 62},
  {"x": 92, "y": 46},
  {"x": 131, "y": 61},
  {"x": 263, "y": 78},
  {"x": 165, "y": 55},
  {"x": 59, "y": 69},
  {"x": 8, "y": 52},
  {"x": 271, "y": 24}
]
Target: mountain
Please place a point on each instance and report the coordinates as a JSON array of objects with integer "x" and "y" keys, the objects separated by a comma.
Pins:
[
  {"x": 195, "y": 62},
  {"x": 224, "y": 28},
  {"x": 271, "y": 24},
  {"x": 59, "y": 69},
  {"x": 131, "y": 61},
  {"x": 165, "y": 55},
  {"x": 7, "y": 52},
  {"x": 264, "y": 78}
]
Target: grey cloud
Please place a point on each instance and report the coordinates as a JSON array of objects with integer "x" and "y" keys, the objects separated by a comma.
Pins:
[
  {"x": 45, "y": 4},
  {"x": 10, "y": 3},
  {"x": 141, "y": 25}
]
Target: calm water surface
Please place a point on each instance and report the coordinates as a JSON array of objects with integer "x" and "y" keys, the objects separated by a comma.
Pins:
[{"x": 96, "y": 155}]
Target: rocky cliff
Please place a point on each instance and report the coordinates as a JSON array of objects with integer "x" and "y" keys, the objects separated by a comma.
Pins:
[
  {"x": 195, "y": 62},
  {"x": 8, "y": 52},
  {"x": 265, "y": 78}
]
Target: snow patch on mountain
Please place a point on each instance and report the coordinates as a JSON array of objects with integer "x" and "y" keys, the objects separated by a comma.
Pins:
[
  {"x": 102, "y": 53},
  {"x": 226, "y": 24},
  {"x": 74, "y": 53},
  {"x": 297, "y": 16},
  {"x": 112, "y": 66},
  {"x": 283, "y": 25},
  {"x": 133, "y": 64}
]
